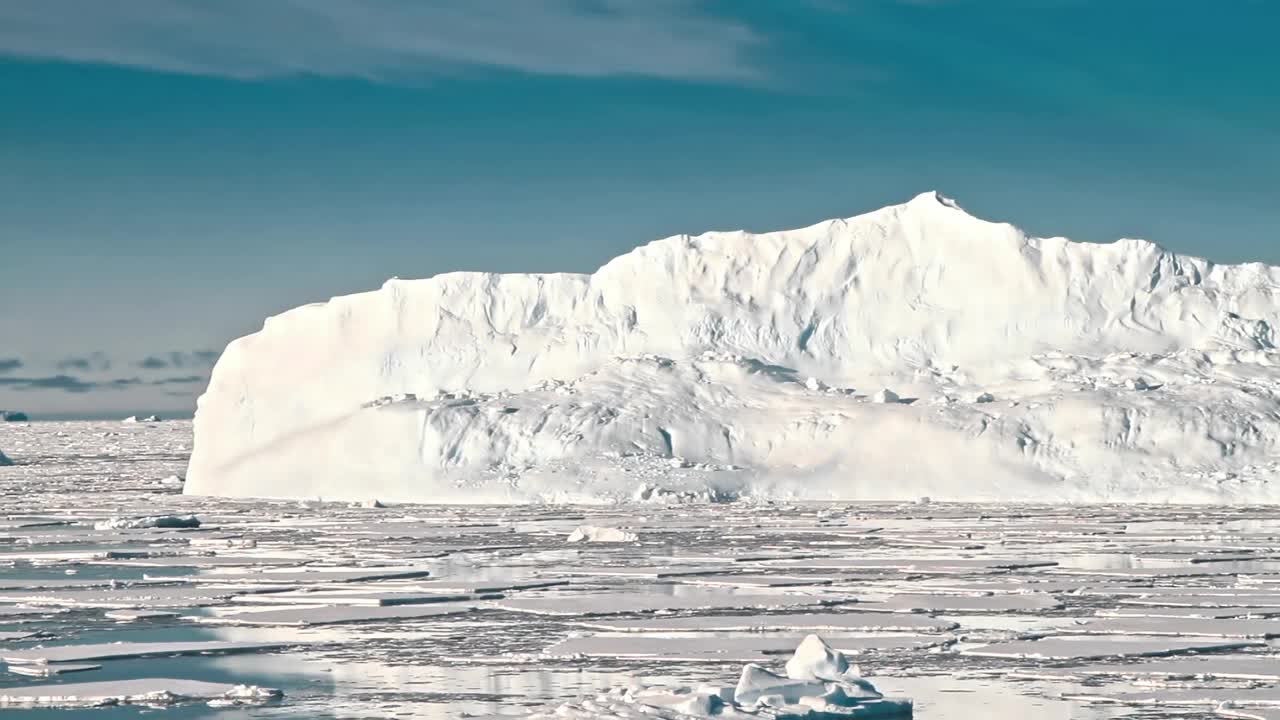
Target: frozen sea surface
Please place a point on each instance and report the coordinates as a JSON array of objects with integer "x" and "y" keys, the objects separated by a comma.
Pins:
[{"x": 449, "y": 612}]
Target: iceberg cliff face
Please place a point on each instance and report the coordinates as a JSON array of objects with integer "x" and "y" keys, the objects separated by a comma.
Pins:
[{"x": 732, "y": 364}]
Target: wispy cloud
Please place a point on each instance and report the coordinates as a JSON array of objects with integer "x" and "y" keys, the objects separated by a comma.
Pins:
[
  {"x": 8, "y": 365},
  {"x": 93, "y": 362},
  {"x": 197, "y": 359},
  {"x": 66, "y": 383},
  {"x": 384, "y": 39},
  {"x": 76, "y": 385},
  {"x": 183, "y": 380}
]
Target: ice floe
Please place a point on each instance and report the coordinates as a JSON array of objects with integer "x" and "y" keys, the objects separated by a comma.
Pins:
[
  {"x": 153, "y": 692},
  {"x": 306, "y": 615},
  {"x": 1090, "y": 648},
  {"x": 124, "y": 650},
  {"x": 584, "y": 603},
  {"x": 812, "y": 622}
]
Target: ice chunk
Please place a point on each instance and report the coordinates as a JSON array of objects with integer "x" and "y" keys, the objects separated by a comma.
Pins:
[
  {"x": 815, "y": 660},
  {"x": 154, "y": 521},
  {"x": 591, "y": 533},
  {"x": 885, "y": 396},
  {"x": 756, "y": 684}
]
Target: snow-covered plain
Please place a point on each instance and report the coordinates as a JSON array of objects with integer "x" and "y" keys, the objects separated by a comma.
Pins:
[
  {"x": 914, "y": 351},
  {"x": 439, "y": 612}
]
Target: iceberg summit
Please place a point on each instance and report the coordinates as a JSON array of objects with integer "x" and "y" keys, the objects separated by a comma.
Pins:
[{"x": 914, "y": 351}]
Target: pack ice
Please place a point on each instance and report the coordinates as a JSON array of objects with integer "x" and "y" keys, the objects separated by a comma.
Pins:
[{"x": 914, "y": 351}]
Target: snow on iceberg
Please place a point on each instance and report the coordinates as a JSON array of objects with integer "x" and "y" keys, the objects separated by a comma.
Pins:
[
  {"x": 736, "y": 364},
  {"x": 819, "y": 683}
]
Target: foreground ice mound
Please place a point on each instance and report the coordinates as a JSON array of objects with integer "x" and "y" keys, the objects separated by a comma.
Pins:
[
  {"x": 4, "y": 459},
  {"x": 819, "y": 685},
  {"x": 733, "y": 364}
]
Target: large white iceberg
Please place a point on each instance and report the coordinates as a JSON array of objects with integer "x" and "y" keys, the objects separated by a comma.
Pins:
[{"x": 735, "y": 364}]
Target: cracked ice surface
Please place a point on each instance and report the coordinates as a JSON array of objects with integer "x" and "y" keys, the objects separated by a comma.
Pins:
[{"x": 1059, "y": 613}]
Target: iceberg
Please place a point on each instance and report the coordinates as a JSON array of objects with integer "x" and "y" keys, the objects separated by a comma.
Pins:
[{"x": 738, "y": 365}]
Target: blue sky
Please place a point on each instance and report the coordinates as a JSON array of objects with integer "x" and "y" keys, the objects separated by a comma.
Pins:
[{"x": 173, "y": 171}]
